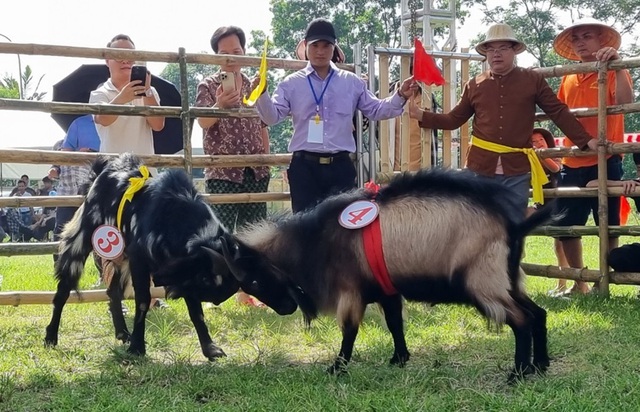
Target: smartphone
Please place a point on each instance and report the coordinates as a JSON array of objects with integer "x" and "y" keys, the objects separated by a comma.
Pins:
[
  {"x": 139, "y": 73},
  {"x": 228, "y": 80}
]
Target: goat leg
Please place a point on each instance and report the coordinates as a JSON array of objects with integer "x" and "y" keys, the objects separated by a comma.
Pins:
[
  {"x": 392, "y": 307},
  {"x": 523, "y": 338},
  {"x": 209, "y": 349},
  {"x": 350, "y": 313},
  {"x": 141, "y": 283},
  {"x": 539, "y": 332},
  {"x": 59, "y": 300},
  {"x": 115, "y": 293}
]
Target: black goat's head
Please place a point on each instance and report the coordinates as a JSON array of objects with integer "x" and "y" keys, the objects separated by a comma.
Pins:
[
  {"x": 258, "y": 277},
  {"x": 204, "y": 275}
]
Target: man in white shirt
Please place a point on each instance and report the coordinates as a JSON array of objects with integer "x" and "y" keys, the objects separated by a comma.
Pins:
[{"x": 120, "y": 134}]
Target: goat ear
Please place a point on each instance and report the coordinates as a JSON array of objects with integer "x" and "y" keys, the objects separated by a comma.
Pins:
[
  {"x": 231, "y": 261},
  {"x": 220, "y": 266}
]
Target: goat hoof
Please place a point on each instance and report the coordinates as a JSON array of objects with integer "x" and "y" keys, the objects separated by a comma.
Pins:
[
  {"x": 123, "y": 337},
  {"x": 399, "y": 359},
  {"x": 136, "y": 351},
  {"x": 541, "y": 366},
  {"x": 212, "y": 352},
  {"x": 518, "y": 374},
  {"x": 338, "y": 368},
  {"x": 50, "y": 342}
]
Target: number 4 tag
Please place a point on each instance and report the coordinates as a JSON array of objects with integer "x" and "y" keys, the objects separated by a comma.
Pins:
[{"x": 358, "y": 214}]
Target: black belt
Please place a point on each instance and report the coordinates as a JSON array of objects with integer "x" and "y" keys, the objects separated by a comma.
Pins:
[{"x": 321, "y": 158}]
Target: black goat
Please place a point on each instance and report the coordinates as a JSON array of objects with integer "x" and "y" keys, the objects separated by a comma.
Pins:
[
  {"x": 447, "y": 237},
  {"x": 170, "y": 234}
]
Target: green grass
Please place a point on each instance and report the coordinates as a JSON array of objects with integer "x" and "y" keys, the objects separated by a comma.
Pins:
[{"x": 275, "y": 364}]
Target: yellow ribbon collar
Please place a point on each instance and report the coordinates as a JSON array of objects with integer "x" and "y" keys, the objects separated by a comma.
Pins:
[
  {"x": 135, "y": 184},
  {"x": 538, "y": 176}
]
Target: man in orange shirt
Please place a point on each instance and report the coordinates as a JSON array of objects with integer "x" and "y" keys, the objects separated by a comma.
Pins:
[{"x": 590, "y": 41}]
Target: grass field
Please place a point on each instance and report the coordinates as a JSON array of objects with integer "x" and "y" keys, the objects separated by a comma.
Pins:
[{"x": 275, "y": 364}]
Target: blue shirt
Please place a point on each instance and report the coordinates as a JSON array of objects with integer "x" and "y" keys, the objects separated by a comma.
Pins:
[
  {"x": 345, "y": 93},
  {"x": 82, "y": 133}
]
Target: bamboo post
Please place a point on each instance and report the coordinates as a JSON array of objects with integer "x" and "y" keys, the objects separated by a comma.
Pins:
[
  {"x": 383, "y": 132},
  {"x": 447, "y": 105},
  {"x": 184, "y": 115},
  {"x": 405, "y": 134},
  {"x": 464, "y": 129},
  {"x": 603, "y": 198}
]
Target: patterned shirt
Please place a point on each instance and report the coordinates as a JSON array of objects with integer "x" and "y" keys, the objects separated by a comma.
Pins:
[
  {"x": 72, "y": 178},
  {"x": 14, "y": 220},
  {"x": 230, "y": 136}
]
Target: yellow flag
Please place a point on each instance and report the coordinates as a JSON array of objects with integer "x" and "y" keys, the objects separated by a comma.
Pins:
[
  {"x": 135, "y": 184},
  {"x": 263, "y": 78}
]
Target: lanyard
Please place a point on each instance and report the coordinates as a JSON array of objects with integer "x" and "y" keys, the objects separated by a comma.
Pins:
[{"x": 319, "y": 100}]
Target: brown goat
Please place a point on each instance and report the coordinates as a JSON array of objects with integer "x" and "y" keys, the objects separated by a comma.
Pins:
[{"x": 447, "y": 237}]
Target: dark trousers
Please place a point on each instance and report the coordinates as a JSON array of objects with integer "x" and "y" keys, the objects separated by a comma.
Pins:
[
  {"x": 235, "y": 215},
  {"x": 314, "y": 177}
]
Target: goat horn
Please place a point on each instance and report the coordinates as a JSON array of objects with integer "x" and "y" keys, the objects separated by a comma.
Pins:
[{"x": 231, "y": 260}]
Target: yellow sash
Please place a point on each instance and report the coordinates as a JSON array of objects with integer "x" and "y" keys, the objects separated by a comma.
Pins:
[
  {"x": 538, "y": 176},
  {"x": 135, "y": 184}
]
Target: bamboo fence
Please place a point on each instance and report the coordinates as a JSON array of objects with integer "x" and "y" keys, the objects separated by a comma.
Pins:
[{"x": 188, "y": 161}]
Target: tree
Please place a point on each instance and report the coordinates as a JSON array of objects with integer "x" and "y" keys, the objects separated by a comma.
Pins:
[{"x": 10, "y": 88}]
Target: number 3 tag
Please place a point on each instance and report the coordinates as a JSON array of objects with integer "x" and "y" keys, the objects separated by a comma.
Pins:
[
  {"x": 358, "y": 214},
  {"x": 107, "y": 242}
]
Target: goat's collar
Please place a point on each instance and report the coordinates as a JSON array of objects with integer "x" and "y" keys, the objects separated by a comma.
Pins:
[{"x": 135, "y": 184}]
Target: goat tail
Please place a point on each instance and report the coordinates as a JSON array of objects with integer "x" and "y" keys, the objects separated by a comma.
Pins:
[
  {"x": 520, "y": 230},
  {"x": 544, "y": 214}
]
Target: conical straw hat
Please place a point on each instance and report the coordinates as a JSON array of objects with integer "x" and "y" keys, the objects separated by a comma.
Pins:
[
  {"x": 500, "y": 32},
  {"x": 564, "y": 47}
]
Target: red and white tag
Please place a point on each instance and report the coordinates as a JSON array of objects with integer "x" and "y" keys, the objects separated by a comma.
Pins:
[
  {"x": 107, "y": 242},
  {"x": 358, "y": 214}
]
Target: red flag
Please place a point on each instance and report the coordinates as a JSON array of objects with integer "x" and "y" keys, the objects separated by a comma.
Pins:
[
  {"x": 625, "y": 210},
  {"x": 424, "y": 68}
]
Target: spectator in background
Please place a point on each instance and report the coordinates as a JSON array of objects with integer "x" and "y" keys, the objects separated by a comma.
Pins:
[
  {"x": 82, "y": 136},
  {"x": 233, "y": 135},
  {"x": 18, "y": 229},
  {"x": 25, "y": 179},
  {"x": 26, "y": 212},
  {"x": 590, "y": 41}
]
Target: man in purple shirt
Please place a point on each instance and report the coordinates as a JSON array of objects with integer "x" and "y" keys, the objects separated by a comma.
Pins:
[{"x": 321, "y": 99}]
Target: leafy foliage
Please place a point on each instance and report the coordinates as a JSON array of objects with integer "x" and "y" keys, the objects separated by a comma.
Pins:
[{"x": 10, "y": 88}]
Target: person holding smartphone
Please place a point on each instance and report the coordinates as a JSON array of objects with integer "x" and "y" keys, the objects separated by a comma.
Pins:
[
  {"x": 321, "y": 100},
  {"x": 120, "y": 134},
  {"x": 224, "y": 90}
]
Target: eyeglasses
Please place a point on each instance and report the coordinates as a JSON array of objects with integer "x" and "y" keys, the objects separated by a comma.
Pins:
[{"x": 500, "y": 49}]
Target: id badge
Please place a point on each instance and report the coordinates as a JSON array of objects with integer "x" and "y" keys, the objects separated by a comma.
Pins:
[{"x": 315, "y": 133}]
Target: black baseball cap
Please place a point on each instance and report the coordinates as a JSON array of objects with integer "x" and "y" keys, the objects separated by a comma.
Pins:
[{"x": 320, "y": 29}]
